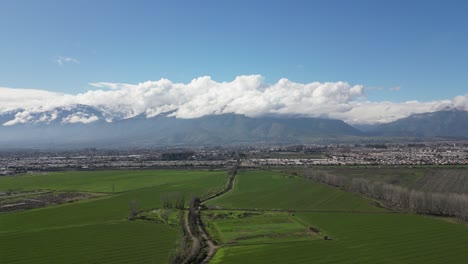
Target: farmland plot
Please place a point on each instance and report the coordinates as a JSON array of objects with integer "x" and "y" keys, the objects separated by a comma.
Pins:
[
  {"x": 98, "y": 230},
  {"x": 346, "y": 235}
]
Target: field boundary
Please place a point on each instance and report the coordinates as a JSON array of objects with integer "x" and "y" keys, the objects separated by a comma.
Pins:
[{"x": 302, "y": 211}]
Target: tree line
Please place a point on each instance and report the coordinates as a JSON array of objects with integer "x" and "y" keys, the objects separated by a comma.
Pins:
[
  {"x": 173, "y": 200},
  {"x": 417, "y": 201}
]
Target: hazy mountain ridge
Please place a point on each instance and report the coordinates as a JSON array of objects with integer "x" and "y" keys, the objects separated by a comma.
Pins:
[
  {"x": 166, "y": 130},
  {"x": 446, "y": 124},
  {"x": 83, "y": 125}
]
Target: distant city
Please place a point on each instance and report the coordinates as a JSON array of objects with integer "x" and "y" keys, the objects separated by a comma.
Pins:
[{"x": 411, "y": 154}]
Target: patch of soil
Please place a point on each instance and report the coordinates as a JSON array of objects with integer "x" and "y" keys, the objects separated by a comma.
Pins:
[
  {"x": 231, "y": 215},
  {"x": 314, "y": 230},
  {"x": 43, "y": 200},
  {"x": 249, "y": 214}
]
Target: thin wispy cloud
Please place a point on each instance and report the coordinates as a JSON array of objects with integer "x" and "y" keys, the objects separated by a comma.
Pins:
[
  {"x": 110, "y": 85},
  {"x": 62, "y": 60},
  {"x": 378, "y": 88}
]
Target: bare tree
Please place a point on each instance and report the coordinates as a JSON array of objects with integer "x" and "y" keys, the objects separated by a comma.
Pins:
[
  {"x": 133, "y": 206},
  {"x": 173, "y": 200},
  {"x": 179, "y": 200}
]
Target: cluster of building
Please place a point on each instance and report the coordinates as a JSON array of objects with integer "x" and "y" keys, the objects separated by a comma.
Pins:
[
  {"x": 447, "y": 153},
  {"x": 16, "y": 162},
  {"x": 411, "y": 154}
]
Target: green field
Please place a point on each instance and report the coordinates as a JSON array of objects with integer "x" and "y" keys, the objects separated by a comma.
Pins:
[
  {"x": 98, "y": 181},
  {"x": 363, "y": 238},
  {"x": 367, "y": 235},
  {"x": 244, "y": 227},
  {"x": 97, "y": 230},
  {"x": 104, "y": 242},
  {"x": 273, "y": 190},
  {"x": 269, "y": 217}
]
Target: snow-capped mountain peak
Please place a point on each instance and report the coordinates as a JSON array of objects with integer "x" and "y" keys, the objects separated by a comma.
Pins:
[{"x": 60, "y": 115}]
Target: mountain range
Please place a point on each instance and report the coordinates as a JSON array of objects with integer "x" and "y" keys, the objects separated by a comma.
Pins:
[
  {"x": 86, "y": 126},
  {"x": 443, "y": 124}
]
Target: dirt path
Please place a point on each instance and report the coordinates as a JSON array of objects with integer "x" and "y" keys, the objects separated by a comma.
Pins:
[
  {"x": 229, "y": 187},
  {"x": 195, "y": 248},
  {"x": 204, "y": 240},
  {"x": 212, "y": 246}
]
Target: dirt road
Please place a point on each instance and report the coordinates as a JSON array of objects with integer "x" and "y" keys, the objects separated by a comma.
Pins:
[{"x": 204, "y": 240}]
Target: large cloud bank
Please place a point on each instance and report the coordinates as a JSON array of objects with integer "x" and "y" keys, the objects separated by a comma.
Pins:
[{"x": 248, "y": 95}]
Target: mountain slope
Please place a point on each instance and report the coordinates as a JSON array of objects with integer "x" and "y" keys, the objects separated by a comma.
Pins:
[
  {"x": 163, "y": 130},
  {"x": 447, "y": 124}
]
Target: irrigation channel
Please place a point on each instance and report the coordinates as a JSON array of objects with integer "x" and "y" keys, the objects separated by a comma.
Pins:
[{"x": 203, "y": 248}]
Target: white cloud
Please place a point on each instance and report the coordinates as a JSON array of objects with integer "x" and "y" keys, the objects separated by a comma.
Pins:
[
  {"x": 20, "y": 118},
  {"x": 383, "y": 112},
  {"x": 248, "y": 95},
  {"x": 61, "y": 60},
  {"x": 11, "y": 98},
  {"x": 80, "y": 118}
]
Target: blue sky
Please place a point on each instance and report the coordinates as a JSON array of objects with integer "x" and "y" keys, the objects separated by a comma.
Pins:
[{"x": 419, "y": 46}]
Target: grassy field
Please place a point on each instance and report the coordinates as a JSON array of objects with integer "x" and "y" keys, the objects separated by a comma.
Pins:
[
  {"x": 104, "y": 242},
  {"x": 97, "y": 230},
  {"x": 368, "y": 235},
  {"x": 363, "y": 238},
  {"x": 273, "y": 190},
  {"x": 269, "y": 217},
  {"x": 253, "y": 227},
  {"x": 98, "y": 181}
]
